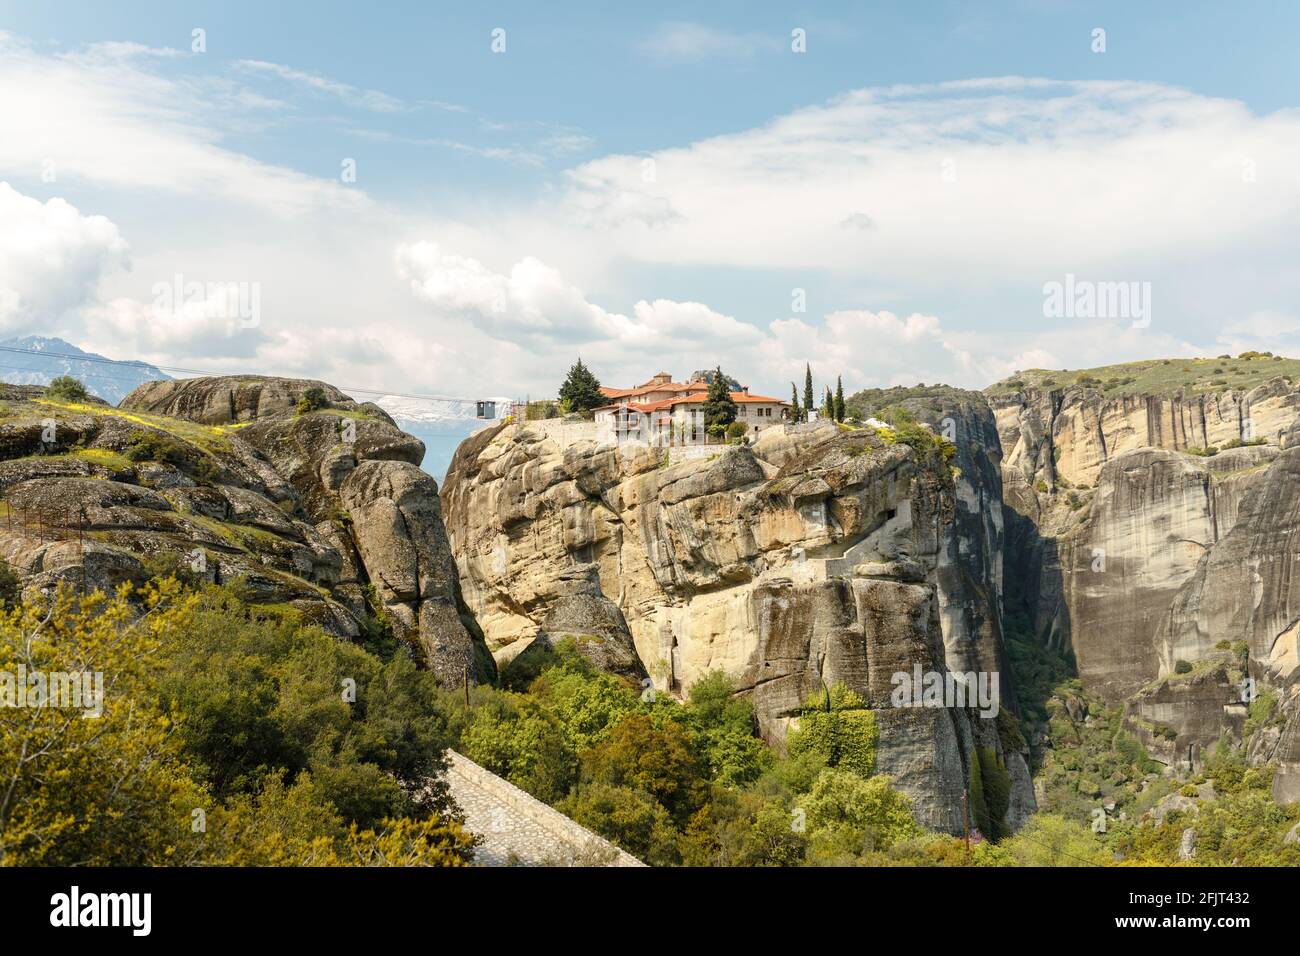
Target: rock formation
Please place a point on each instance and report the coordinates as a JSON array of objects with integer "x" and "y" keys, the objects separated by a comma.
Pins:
[
  {"x": 319, "y": 508},
  {"x": 811, "y": 558},
  {"x": 1154, "y": 535}
]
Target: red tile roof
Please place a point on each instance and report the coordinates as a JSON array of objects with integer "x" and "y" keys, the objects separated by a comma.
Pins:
[
  {"x": 736, "y": 397},
  {"x": 694, "y": 399},
  {"x": 649, "y": 387}
]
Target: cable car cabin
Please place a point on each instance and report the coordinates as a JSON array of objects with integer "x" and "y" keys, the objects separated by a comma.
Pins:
[{"x": 487, "y": 409}]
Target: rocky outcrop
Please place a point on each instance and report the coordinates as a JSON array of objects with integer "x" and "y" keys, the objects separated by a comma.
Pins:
[
  {"x": 396, "y": 523},
  {"x": 1072, "y": 432},
  {"x": 1153, "y": 551},
  {"x": 594, "y": 622},
  {"x": 811, "y": 558},
  {"x": 969, "y": 574},
  {"x": 322, "y": 512},
  {"x": 226, "y": 400}
]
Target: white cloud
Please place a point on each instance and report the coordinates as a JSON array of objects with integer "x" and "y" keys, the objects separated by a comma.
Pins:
[
  {"x": 51, "y": 259},
  {"x": 102, "y": 116},
  {"x": 936, "y": 195},
  {"x": 364, "y": 99},
  {"x": 534, "y": 303},
  {"x": 682, "y": 40},
  {"x": 992, "y": 180}
]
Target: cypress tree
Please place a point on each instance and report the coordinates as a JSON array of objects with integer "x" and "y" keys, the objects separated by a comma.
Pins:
[
  {"x": 719, "y": 406},
  {"x": 795, "y": 414},
  {"x": 808, "y": 405},
  {"x": 839, "y": 398}
]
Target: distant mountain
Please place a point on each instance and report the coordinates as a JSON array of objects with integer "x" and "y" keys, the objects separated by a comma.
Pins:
[
  {"x": 35, "y": 360},
  {"x": 441, "y": 425}
]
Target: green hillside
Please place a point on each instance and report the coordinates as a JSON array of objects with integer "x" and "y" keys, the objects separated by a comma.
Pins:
[{"x": 1160, "y": 376}]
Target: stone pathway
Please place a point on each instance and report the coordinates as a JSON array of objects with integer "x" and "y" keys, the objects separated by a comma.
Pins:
[{"x": 520, "y": 830}]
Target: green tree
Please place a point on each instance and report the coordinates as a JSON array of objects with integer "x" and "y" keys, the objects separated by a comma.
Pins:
[
  {"x": 631, "y": 818},
  {"x": 581, "y": 390},
  {"x": 719, "y": 406},
  {"x": 807, "y": 390},
  {"x": 127, "y": 787},
  {"x": 990, "y": 793},
  {"x": 847, "y": 815},
  {"x": 839, "y": 398},
  {"x": 723, "y": 726},
  {"x": 313, "y": 397},
  {"x": 838, "y": 727},
  {"x": 65, "y": 388},
  {"x": 658, "y": 760},
  {"x": 586, "y": 702},
  {"x": 252, "y": 696},
  {"x": 111, "y": 790},
  {"x": 515, "y": 738},
  {"x": 1048, "y": 840},
  {"x": 796, "y": 413}
]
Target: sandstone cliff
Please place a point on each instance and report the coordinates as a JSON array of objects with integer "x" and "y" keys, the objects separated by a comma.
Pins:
[
  {"x": 814, "y": 557},
  {"x": 1153, "y": 534},
  {"x": 322, "y": 511}
]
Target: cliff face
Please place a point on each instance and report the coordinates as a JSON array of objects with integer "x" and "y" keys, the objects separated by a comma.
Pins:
[
  {"x": 813, "y": 557},
  {"x": 314, "y": 509},
  {"x": 1152, "y": 562}
]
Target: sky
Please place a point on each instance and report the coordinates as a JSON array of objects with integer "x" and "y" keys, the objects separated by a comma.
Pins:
[{"x": 462, "y": 199}]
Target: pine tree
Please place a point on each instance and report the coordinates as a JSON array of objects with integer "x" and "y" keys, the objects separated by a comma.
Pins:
[
  {"x": 719, "y": 406},
  {"x": 581, "y": 390},
  {"x": 839, "y": 398},
  {"x": 796, "y": 414},
  {"x": 807, "y": 390}
]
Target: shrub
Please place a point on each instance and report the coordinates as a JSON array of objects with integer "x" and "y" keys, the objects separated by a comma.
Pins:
[
  {"x": 312, "y": 399},
  {"x": 11, "y": 585},
  {"x": 65, "y": 388},
  {"x": 1182, "y": 667}
]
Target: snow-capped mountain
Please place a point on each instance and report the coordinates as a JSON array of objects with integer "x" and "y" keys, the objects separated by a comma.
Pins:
[{"x": 36, "y": 360}]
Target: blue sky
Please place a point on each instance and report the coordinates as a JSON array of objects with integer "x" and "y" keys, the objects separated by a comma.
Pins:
[{"x": 648, "y": 185}]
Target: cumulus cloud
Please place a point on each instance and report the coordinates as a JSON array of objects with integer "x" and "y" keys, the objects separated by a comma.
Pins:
[
  {"x": 533, "y": 302},
  {"x": 52, "y": 258}
]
